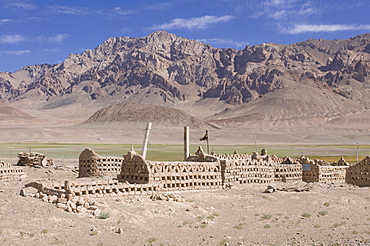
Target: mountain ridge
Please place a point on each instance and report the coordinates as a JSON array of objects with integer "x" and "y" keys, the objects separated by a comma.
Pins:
[{"x": 166, "y": 70}]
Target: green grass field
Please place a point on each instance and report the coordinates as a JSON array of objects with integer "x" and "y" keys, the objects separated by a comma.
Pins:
[{"x": 164, "y": 152}]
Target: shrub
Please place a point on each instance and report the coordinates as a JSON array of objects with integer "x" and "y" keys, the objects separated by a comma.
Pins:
[
  {"x": 266, "y": 217},
  {"x": 223, "y": 242},
  {"x": 306, "y": 215},
  {"x": 323, "y": 212},
  {"x": 152, "y": 240},
  {"x": 104, "y": 215}
]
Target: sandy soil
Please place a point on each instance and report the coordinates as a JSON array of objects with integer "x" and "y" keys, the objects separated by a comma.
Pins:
[{"x": 328, "y": 214}]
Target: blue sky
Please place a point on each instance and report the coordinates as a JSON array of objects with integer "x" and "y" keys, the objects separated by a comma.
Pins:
[{"x": 36, "y": 32}]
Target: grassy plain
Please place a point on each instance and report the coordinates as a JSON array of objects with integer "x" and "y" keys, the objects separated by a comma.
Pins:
[{"x": 173, "y": 152}]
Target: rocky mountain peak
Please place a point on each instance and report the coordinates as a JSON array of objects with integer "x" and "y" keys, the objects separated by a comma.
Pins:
[{"x": 166, "y": 69}]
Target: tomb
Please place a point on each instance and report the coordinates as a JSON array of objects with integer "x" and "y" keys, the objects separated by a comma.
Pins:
[{"x": 93, "y": 165}]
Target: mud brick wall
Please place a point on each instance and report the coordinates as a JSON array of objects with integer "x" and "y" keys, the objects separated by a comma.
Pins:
[
  {"x": 92, "y": 165},
  {"x": 95, "y": 189},
  {"x": 359, "y": 174},
  {"x": 332, "y": 174},
  {"x": 9, "y": 172},
  {"x": 288, "y": 172},
  {"x": 247, "y": 171},
  {"x": 324, "y": 174},
  {"x": 185, "y": 175},
  {"x": 170, "y": 175},
  {"x": 310, "y": 173}
]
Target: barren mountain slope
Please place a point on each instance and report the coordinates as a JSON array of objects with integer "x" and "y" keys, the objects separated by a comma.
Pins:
[
  {"x": 167, "y": 70},
  {"x": 296, "y": 103},
  {"x": 135, "y": 113},
  {"x": 7, "y": 112}
]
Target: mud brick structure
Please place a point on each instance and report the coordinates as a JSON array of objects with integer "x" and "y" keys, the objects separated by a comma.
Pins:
[
  {"x": 34, "y": 159},
  {"x": 323, "y": 171},
  {"x": 288, "y": 172},
  {"x": 204, "y": 173},
  {"x": 93, "y": 165},
  {"x": 9, "y": 172},
  {"x": 359, "y": 174}
]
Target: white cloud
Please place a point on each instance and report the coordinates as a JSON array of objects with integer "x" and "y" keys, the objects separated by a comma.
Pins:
[
  {"x": 221, "y": 41},
  {"x": 120, "y": 11},
  {"x": 25, "y": 6},
  {"x": 57, "y": 38},
  {"x": 284, "y": 9},
  {"x": 50, "y": 50},
  {"x": 5, "y": 20},
  {"x": 69, "y": 10},
  {"x": 299, "y": 28},
  {"x": 158, "y": 6},
  {"x": 11, "y": 39},
  {"x": 15, "y": 52},
  {"x": 192, "y": 23}
]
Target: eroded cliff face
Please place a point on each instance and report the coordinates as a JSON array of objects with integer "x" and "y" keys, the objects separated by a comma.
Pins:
[{"x": 169, "y": 69}]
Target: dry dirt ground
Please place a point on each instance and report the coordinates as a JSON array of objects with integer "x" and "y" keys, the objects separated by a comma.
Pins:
[{"x": 327, "y": 214}]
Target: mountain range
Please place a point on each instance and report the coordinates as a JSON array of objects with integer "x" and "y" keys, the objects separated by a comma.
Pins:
[{"x": 314, "y": 82}]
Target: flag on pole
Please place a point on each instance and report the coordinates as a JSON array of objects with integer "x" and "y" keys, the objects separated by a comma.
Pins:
[{"x": 205, "y": 136}]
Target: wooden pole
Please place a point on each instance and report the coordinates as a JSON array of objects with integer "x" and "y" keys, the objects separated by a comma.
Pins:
[
  {"x": 146, "y": 139},
  {"x": 186, "y": 142},
  {"x": 255, "y": 142},
  {"x": 207, "y": 143}
]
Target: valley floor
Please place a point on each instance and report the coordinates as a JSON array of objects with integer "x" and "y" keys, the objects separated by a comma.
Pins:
[{"x": 328, "y": 214}]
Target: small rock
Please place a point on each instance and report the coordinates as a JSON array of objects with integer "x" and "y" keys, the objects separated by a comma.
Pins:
[
  {"x": 120, "y": 231},
  {"x": 62, "y": 200},
  {"x": 23, "y": 192},
  {"x": 62, "y": 206}
]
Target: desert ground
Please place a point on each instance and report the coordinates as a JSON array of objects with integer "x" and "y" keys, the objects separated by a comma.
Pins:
[{"x": 326, "y": 214}]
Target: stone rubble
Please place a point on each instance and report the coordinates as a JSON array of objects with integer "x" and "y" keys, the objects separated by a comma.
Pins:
[{"x": 34, "y": 159}]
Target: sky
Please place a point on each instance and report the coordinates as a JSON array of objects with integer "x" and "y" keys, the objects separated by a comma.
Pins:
[{"x": 36, "y": 32}]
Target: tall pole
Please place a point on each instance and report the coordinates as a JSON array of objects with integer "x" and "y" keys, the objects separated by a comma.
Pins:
[
  {"x": 255, "y": 141},
  {"x": 357, "y": 153},
  {"x": 207, "y": 143},
  {"x": 146, "y": 139},
  {"x": 186, "y": 142}
]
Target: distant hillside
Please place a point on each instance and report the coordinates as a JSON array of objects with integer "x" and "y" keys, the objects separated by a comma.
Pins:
[
  {"x": 136, "y": 113},
  {"x": 7, "y": 112},
  {"x": 315, "y": 78}
]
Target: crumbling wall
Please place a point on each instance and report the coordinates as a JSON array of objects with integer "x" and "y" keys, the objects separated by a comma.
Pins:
[
  {"x": 93, "y": 165},
  {"x": 288, "y": 172},
  {"x": 359, "y": 174},
  {"x": 9, "y": 172},
  {"x": 323, "y": 171},
  {"x": 34, "y": 159},
  {"x": 170, "y": 175}
]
